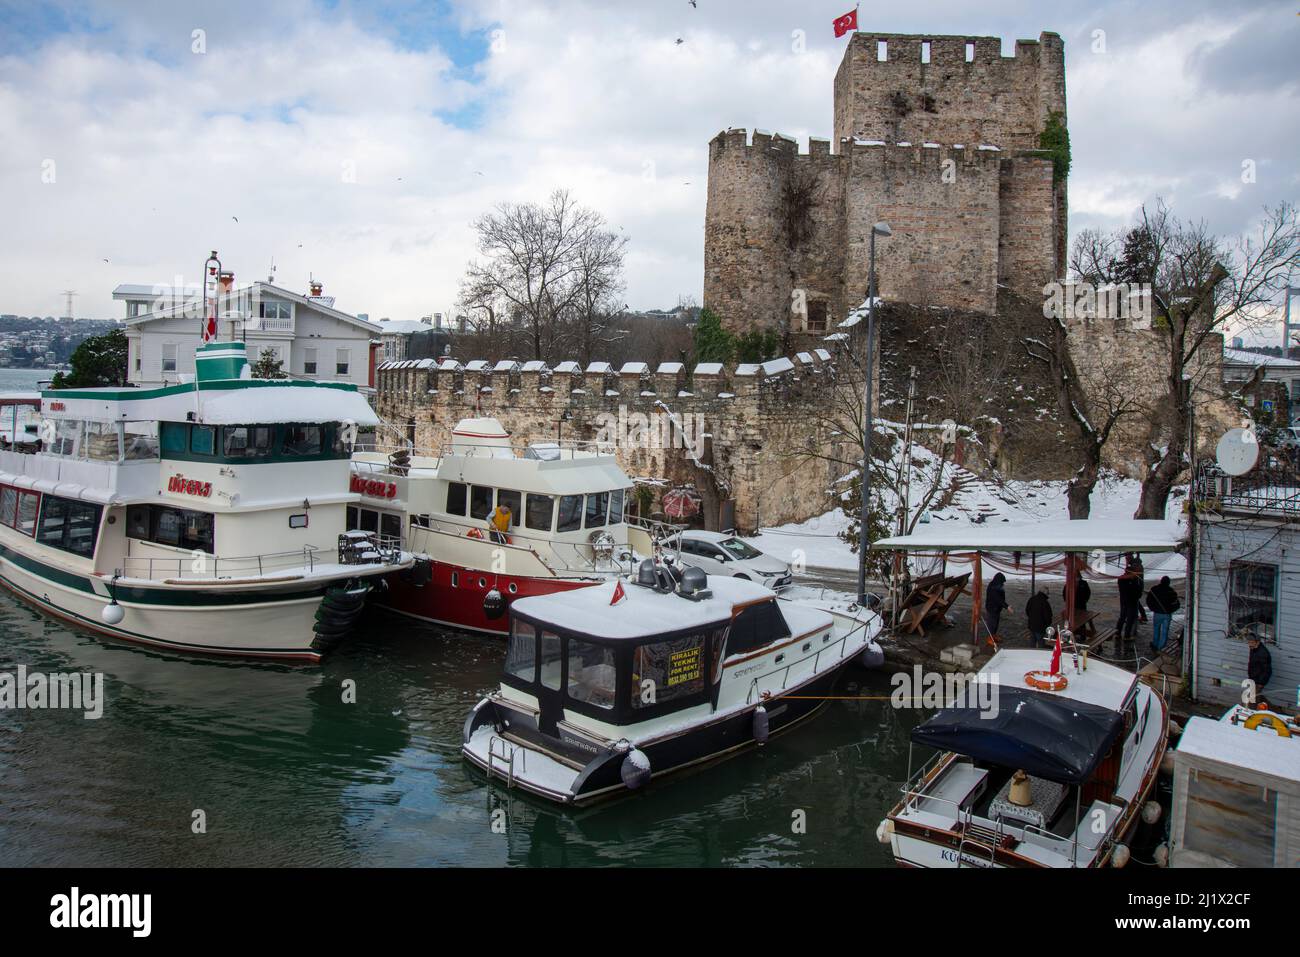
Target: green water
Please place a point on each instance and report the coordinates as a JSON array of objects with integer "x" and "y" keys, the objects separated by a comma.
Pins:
[{"x": 286, "y": 773}]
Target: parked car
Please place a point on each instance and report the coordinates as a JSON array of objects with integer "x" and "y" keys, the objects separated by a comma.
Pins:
[{"x": 718, "y": 553}]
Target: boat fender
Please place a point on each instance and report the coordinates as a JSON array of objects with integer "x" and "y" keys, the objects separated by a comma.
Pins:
[
  {"x": 761, "y": 729},
  {"x": 1167, "y": 763},
  {"x": 113, "y": 613},
  {"x": 872, "y": 656},
  {"x": 885, "y": 831},
  {"x": 1161, "y": 855},
  {"x": 1120, "y": 856},
  {"x": 635, "y": 769},
  {"x": 1151, "y": 812},
  {"x": 494, "y": 604}
]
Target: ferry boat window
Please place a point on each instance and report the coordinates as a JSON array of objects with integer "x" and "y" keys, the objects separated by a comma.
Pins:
[
  {"x": 175, "y": 436},
  {"x": 101, "y": 441},
  {"x": 203, "y": 439},
  {"x": 597, "y": 509},
  {"x": 541, "y": 511},
  {"x": 8, "y": 505},
  {"x": 28, "y": 503},
  {"x": 665, "y": 671},
  {"x": 480, "y": 501},
  {"x": 137, "y": 522},
  {"x": 166, "y": 525},
  {"x": 69, "y": 525},
  {"x": 390, "y": 526},
  {"x": 67, "y": 438},
  {"x": 247, "y": 441},
  {"x": 591, "y": 674},
  {"x": 510, "y": 500},
  {"x": 551, "y": 661},
  {"x": 369, "y": 520},
  {"x": 616, "y": 506},
  {"x": 140, "y": 441},
  {"x": 302, "y": 440},
  {"x": 521, "y": 655},
  {"x": 570, "y": 514},
  {"x": 457, "y": 495},
  {"x": 756, "y": 626}
]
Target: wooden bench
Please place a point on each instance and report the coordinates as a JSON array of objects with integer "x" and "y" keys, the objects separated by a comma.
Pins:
[{"x": 929, "y": 600}]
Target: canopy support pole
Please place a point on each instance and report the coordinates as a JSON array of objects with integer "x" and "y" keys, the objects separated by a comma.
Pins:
[
  {"x": 1071, "y": 573},
  {"x": 977, "y": 600}
]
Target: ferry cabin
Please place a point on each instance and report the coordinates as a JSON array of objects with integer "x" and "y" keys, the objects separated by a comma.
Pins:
[{"x": 209, "y": 513}]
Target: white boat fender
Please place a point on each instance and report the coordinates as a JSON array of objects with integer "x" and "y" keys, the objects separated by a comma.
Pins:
[
  {"x": 761, "y": 727},
  {"x": 635, "y": 769},
  {"x": 1161, "y": 855},
  {"x": 1120, "y": 856},
  {"x": 113, "y": 613},
  {"x": 872, "y": 656},
  {"x": 885, "y": 831},
  {"x": 494, "y": 604},
  {"x": 1151, "y": 812}
]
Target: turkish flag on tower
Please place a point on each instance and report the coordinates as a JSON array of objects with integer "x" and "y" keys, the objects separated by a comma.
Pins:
[{"x": 846, "y": 23}]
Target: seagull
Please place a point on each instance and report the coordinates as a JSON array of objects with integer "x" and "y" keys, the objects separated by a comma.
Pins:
[
  {"x": 105, "y": 260},
  {"x": 478, "y": 172},
  {"x": 693, "y": 3},
  {"x": 235, "y": 218},
  {"x": 680, "y": 41}
]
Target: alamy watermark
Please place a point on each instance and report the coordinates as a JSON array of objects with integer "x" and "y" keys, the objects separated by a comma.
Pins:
[
  {"x": 935, "y": 689},
  {"x": 37, "y": 691},
  {"x": 651, "y": 430},
  {"x": 1130, "y": 301}
]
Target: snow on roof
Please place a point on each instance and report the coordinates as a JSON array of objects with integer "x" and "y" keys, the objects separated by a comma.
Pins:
[
  {"x": 1110, "y": 534},
  {"x": 447, "y": 362},
  {"x": 1103, "y": 684},
  {"x": 1254, "y": 359},
  {"x": 645, "y": 612},
  {"x": 568, "y": 365},
  {"x": 285, "y": 404},
  {"x": 599, "y": 368},
  {"x": 388, "y": 327},
  {"x": 634, "y": 368},
  {"x": 534, "y": 365},
  {"x": 1258, "y": 750},
  {"x": 476, "y": 365},
  {"x": 747, "y": 369},
  {"x": 424, "y": 364},
  {"x": 776, "y": 366},
  {"x": 506, "y": 365},
  {"x": 708, "y": 368},
  {"x": 669, "y": 368}
]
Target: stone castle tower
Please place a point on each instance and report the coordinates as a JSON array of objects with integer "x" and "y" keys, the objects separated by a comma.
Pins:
[{"x": 939, "y": 136}]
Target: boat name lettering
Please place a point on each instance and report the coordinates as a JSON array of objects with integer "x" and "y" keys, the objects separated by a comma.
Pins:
[
  {"x": 373, "y": 487},
  {"x": 179, "y": 483},
  {"x": 57, "y": 407}
]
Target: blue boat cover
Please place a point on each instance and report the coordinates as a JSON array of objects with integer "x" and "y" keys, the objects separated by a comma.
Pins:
[{"x": 1046, "y": 735}]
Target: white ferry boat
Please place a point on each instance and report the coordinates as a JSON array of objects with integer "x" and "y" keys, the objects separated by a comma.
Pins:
[
  {"x": 609, "y": 687},
  {"x": 205, "y": 517},
  {"x": 1055, "y": 776},
  {"x": 568, "y": 523}
]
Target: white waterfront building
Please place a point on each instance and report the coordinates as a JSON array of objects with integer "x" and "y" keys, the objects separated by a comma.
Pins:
[{"x": 312, "y": 339}]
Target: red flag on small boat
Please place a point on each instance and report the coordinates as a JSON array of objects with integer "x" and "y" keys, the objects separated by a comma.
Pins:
[
  {"x": 1056, "y": 656},
  {"x": 846, "y": 23},
  {"x": 619, "y": 593}
]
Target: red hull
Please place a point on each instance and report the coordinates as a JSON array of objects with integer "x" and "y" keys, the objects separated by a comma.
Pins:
[{"x": 461, "y": 605}]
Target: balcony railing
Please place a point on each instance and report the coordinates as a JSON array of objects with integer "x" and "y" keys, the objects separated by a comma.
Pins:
[{"x": 1274, "y": 487}]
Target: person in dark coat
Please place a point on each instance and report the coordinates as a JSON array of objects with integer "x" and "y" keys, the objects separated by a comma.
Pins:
[
  {"x": 1130, "y": 597},
  {"x": 1163, "y": 602},
  {"x": 995, "y": 599},
  {"x": 1082, "y": 593},
  {"x": 1142, "y": 579},
  {"x": 1260, "y": 667},
  {"x": 1039, "y": 612}
]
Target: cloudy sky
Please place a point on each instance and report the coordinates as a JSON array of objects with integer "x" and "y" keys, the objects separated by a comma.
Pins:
[{"x": 357, "y": 141}]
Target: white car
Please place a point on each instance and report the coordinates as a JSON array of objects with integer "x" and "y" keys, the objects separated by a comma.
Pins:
[{"x": 721, "y": 554}]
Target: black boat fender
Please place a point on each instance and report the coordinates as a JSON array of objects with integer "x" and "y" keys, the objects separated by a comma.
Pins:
[
  {"x": 494, "y": 604},
  {"x": 761, "y": 728},
  {"x": 635, "y": 767}
]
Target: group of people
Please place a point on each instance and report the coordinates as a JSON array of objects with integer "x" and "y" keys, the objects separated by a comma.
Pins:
[{"x": 1162, "y": 601}]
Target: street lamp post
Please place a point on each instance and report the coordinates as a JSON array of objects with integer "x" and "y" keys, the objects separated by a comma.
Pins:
[{"x": 864, "y": 478}]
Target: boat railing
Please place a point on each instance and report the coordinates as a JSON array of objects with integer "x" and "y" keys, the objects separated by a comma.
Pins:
[
  {"x": 559, "y": 556},
  {"x": 506, "y": 756},
  {"x": 202, "y": 566},
  {"x": 391, "y": 439},
  {"x": 784, "y": 670}
]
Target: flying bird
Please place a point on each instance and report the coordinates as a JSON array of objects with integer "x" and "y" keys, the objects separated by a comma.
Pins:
[
  {"x": 235, "y": 218},
  {"x": 680, "y": 41},
  {"x": 693, "y": 3}
]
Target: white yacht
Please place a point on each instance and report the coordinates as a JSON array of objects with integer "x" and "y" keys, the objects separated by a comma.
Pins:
[
  {"x": 1055, "y": 775},
  {"x": 608, "y": 687},
  {"x": 205, "y": 517}
]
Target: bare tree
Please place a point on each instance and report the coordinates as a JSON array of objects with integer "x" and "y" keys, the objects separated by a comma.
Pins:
[
  {"x": 544, "y": 265},
  {"x": 1201, "y": 284}
]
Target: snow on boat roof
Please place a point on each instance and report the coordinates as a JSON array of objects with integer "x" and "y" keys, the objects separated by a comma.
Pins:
[
  {"x": 1259, "y": 751},
  {"x": 644, "y": 613},
  {"x": 1112, "y": 534},
  {"x": 285, "y": 404},
  {"x": 1101, "y": 684}
]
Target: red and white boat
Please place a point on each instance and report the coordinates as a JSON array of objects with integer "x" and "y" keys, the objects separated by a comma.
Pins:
[{"x": 569, "y": 525}]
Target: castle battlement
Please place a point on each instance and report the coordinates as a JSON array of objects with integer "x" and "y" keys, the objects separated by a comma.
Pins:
[
  {"x": 779, "y": 147},
  {"x": 949, "y": 50}
]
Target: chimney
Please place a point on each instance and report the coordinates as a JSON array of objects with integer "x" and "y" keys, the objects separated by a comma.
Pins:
[
  {"x": 316, "y": 288},
  {"x": 225, "y": 283}
]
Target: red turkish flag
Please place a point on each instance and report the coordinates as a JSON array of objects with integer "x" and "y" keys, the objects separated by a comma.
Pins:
[
  {"x": 846, "y": 23},
  {"x": 1056, "y": 656},
  {"x": 619, "y": 593},
  {"x": 210, "y": 329}
]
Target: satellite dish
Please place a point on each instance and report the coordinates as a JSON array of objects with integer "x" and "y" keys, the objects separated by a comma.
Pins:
[{"x": 1238, "y": 451}]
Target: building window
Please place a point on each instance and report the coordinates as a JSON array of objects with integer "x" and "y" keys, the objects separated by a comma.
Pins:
[
  {"x": 817, "y": 314},
  {"x": 1252, "y": 600},
  {"x": 341, "y": 362},
  {"x": 275, "y": 309},
  {"x": 169, "y": 357},
  {"x": 309, "y": 362}
]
